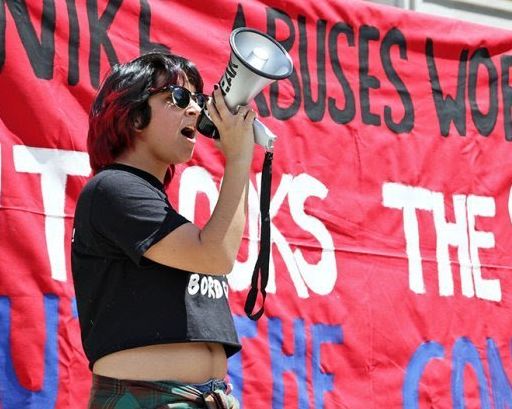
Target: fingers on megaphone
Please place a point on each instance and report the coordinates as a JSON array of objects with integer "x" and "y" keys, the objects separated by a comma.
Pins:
[
  {"x": 219, "y": 102},
  {"x": 252, "y": 114},
  {"x": 246, "y": 111},
  {"x": 242, "y": 110}
]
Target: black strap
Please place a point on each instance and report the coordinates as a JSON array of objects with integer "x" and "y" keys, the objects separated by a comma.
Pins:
[{"x": 260, "y": 273}]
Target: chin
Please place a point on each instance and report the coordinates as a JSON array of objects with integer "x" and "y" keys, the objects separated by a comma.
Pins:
[{"x": 183, "y": 159}]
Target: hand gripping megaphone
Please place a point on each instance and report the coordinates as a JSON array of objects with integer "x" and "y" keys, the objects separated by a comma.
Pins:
[{"x": 256, "y": 60}]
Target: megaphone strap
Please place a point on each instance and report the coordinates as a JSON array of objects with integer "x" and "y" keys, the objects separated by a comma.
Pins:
[{"x": 260, "y": 273}]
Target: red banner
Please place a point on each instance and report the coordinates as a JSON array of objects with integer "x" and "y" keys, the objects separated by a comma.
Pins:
[{"x": 391, "y": 213}]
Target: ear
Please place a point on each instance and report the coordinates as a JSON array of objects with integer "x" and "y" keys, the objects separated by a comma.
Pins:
[
  {"x": 141, "y": 118},
  {"x": 137, "y": 124}
]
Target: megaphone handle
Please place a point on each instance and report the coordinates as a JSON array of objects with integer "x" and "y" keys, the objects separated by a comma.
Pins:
[
  {"x": 205, "y": 125},
  {"x": 263, "y": 136}
]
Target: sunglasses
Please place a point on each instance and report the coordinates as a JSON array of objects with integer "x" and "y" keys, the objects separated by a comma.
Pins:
[{"x": 181, "y": 96}]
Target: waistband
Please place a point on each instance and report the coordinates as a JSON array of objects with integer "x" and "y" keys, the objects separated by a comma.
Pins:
[
  {"x": 108, "y": 392},
  {"x": 212, "y": 385}
]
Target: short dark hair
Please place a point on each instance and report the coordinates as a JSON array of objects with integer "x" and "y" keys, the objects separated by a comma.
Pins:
[{"x": 121, "y": 104}]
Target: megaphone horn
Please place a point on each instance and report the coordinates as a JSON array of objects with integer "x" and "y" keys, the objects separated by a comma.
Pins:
[{"x": 256, "y": 60}]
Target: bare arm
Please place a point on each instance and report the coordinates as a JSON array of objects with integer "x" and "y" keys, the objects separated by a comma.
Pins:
[{"x": 213, "y": 249}]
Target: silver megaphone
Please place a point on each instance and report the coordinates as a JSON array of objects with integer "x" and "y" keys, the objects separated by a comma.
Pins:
[{"x": 256, "y": 60}]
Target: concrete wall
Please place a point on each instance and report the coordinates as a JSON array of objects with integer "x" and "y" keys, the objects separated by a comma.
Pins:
[{"x": 495, "y": 13}]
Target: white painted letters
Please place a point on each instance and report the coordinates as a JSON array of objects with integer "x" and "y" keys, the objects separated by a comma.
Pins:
[
  {"x": 319, "y": 278},
  {"x": 461, "y": 234},
  {"x": 54, "y": 165}
]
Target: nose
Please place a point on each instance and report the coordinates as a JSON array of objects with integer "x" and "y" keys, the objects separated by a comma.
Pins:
[{"x": 193, "y": 108}]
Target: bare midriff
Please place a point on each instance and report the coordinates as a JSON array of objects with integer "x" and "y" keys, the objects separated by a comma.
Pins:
[{"x": 195, "y": 362}]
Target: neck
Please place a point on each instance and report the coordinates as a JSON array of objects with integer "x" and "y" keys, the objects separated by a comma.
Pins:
[{"x": 156, "y": 169}]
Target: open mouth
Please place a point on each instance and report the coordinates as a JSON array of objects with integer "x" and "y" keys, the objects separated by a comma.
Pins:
[{"x": 188, "y": 132}]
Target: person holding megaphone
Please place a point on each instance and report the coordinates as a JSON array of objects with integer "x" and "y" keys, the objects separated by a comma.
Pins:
[
  {"x": 151, "y": 286},
  {"x": 152, "y": 336}
]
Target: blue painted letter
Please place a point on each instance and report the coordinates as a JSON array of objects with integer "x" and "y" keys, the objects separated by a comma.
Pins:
[
  {"x": 501, "y": 389},
  {"x": 464, "y": 352},
  {"x": 323, "y": 381},
  {"x": 12, "y": 394},
  {"x": 282, "y": 363},
  {"x": 425, "y": 352}
]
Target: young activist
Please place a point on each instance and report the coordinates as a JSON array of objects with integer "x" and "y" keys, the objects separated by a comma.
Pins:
[{"x": 152, "y": 338}]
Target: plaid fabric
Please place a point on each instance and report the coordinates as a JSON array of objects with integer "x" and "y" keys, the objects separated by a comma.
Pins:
[{"x": 109, "y": 393}]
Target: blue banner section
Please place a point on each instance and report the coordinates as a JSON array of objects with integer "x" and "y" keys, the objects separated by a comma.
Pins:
[
  {"x": 12, "y": 394},
  {"x": 464, "y": 355}
]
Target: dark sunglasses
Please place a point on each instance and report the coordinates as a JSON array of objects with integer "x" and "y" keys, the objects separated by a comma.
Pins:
[{"x": 181, "y": 96}]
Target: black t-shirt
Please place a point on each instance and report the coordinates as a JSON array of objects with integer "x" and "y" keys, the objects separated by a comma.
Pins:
[{"x": 124, "y": 299}]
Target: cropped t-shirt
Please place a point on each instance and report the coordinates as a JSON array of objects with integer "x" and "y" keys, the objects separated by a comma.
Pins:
[{"x": 125, "y": 300}]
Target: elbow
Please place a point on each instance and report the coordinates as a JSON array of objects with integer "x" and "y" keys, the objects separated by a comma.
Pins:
[
  {"x": 218, "y": 255},
  {"x": 224, "y": 263},
  {"x": 227, "y": 266}
]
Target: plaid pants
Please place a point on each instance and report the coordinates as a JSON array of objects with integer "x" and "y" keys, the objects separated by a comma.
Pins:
[{"x": 109, "y": 393}]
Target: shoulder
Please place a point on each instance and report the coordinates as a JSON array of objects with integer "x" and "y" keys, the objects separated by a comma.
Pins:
[
  {"x": 112, "y": 192},
  {"x": 113, "y": 178},
  {"x": 113, "y": 184}
]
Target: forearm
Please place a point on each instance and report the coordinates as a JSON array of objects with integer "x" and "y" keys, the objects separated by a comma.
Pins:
[{"x": 222, "y": 234}]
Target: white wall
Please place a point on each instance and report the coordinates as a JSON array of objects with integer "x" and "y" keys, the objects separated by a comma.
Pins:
[{"x": 495, "y": 13}]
